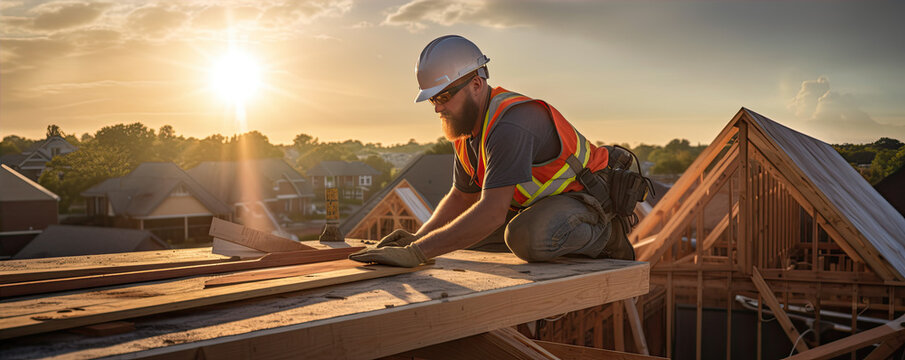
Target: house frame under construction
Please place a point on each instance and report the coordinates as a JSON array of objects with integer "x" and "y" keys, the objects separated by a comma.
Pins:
[{"x": 796, "y": 229}]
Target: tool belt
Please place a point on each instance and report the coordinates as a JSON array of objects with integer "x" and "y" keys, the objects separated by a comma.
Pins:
[{"x": 617, "y": 187}]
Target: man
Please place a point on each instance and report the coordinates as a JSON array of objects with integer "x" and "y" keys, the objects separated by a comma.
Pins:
[{"x": 512, "y": 152}]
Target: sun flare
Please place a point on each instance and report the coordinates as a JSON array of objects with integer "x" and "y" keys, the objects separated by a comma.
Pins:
[{"x": 235, "y": 77}]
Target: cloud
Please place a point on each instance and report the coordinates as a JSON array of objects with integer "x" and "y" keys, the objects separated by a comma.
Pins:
[
  {"x": 9, "y": 5},
  {"x": 291, "y": 12},
  {"x": 836, "y": 116},
  {"x": 220, "y": 17},
  {"x": 59, "y": 88},
  {"x": 415, "y": 14},
  {"x": 362, "y": 25},
  {"x": 65, "y": 14},
  {"x": 805, "y": 102},
  {"x": 18, "y": 54},
  {"x": 156, "y": 21}
]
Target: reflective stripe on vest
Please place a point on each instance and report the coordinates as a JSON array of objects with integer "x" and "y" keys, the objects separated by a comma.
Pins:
[{"x": 549, "y": 178}]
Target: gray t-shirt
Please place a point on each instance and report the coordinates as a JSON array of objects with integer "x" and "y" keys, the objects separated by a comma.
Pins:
[{"x": 523, "y": 136}]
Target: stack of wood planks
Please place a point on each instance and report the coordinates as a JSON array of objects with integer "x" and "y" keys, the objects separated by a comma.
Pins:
[{"x": 319, "y": 315}]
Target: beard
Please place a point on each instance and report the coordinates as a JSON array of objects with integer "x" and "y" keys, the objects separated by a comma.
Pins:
[{"x": 456, "y": 126}]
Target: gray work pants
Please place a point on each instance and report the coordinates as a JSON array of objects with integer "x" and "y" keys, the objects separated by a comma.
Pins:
[{"x": 570, "y": 223}]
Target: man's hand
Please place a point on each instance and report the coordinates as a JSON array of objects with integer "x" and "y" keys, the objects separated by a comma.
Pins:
[
  {"x": 407, "y": 256},
  {"x": 399, "y": 237}
]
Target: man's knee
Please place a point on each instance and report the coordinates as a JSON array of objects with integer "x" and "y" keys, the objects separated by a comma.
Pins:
[
  {"x": 553, "y": 227},
  {"x": 525, "y": 243}
]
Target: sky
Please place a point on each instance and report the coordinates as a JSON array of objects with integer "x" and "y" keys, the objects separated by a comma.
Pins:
[{"x": 621, "y": 71}]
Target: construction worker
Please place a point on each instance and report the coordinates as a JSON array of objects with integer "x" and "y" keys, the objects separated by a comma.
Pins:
[{"x": 518, "y": 162}]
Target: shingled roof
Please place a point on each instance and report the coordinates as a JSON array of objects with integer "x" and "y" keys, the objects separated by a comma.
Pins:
[
  {"x": 16, "y": 187},
  {"x": 341, "y": 168},
  {"x": 142, "y": 190},
  {"x": 67, "y": 240},
  {"x": 221, "y": 178}
]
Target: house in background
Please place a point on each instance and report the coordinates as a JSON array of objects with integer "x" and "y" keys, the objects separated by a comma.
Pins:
[
  {"x": 26, "y": 208},
  {"x": 156, "y": 196},
  {"x": 892, "y": 188},
  {"x": 68, "y": 240},
  {"x": 33, "y": 161},
  {"x": 263, "y": 193},
  {"x": 352, "y": 179},
  {"x": 407, "y": 202}
]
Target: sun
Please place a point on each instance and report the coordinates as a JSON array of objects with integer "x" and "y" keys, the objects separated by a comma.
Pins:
[{"x": 235, "y": 77}]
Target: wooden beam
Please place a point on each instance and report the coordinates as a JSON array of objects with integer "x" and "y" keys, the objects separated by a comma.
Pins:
[
  {"x": 99, "y": 313},
  {"x": 85, "y": 282},
  {"x": 840, "y": 224},
  {"x": 281, "y": 272},
  {"x": 694, "y": 203},
  {"x": 778, "y": 311},
  {"x": 44, "y": 274},
  {"x": 646, "y": 226},
  {"x": 744, "y": 199},
  {"x": 720, "y": 228},
  {"x": 879, "y": 334},
  {"x": 252, "y": 238},
  {"x": 574, "y": 352},
  {"x": 634, "y": 320},
  {"x": 618, "y": 328},
  {"x": 670, "y": 313},
  {"x": 886, "y": 348},
  {"x": 374, "y": 334}
]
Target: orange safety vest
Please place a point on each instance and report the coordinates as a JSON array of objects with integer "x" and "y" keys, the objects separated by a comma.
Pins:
[{"x": 548, "y": 178}]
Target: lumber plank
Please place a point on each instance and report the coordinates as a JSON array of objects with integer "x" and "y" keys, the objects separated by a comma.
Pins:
[
  {"x": 281, "y": 272},
  {"x": 84, "y": 282},
  {"x": 566, "y": 351},
  {"x": 252, "y": 238},
  {"x": 12, "y": 271},
  {"x": 99, "y": 313},
  {"x": 391, "y": 331},
  {"x": 778, "y": 311},
  {"x": 892, "y": 329}
]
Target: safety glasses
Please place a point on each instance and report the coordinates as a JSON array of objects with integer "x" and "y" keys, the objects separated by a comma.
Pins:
[{"x": 447, "y": 94}]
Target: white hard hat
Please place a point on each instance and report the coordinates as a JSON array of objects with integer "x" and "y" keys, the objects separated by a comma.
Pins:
[{"x": 445, "y": 60}]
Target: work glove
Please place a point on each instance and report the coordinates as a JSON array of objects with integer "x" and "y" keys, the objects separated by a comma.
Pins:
[
  {"x": 399, "y": 237},
  {"x": 404, "y": 256}
]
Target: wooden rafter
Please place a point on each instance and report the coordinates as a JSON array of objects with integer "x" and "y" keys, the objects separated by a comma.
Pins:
[
  {"x": 778, "y": 311},
  {"x": 879, "y": 334}
]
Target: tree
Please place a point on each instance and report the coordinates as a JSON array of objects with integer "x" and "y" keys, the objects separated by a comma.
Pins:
[
  {"x": 887, "y": 144},
  {"x": 253, "y": 145},
  {"x": 54, "y": 130},
  {"x": 168, "y": 146},
  {"x": 442, "y": 146},
  {"x": 70, "y": 174},
  {"x": 324, "y": 152},
  {"x": 14, "y": 144},
  {"x": 135, "y": 141},
  {"x": 211, "y": 148}
]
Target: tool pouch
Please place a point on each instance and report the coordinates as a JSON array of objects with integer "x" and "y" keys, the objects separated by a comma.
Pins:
[{"x": 618, "y": 187}]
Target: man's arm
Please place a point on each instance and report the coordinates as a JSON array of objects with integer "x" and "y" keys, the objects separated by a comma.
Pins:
[
  {"x": 453, "y": 204},
  {"x": 480, "y": 220}
]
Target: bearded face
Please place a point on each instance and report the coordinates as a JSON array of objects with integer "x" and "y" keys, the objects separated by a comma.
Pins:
[{"x": 459, "y": 123}]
